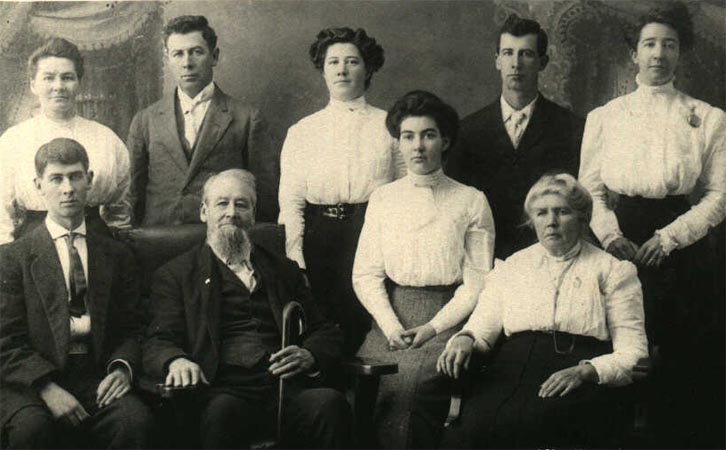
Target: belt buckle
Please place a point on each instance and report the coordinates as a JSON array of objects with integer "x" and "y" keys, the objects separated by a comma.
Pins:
[{"x": 336, "y": 212}]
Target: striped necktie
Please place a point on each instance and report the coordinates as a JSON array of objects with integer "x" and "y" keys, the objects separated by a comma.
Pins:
[{"x": 78, "y": 286}]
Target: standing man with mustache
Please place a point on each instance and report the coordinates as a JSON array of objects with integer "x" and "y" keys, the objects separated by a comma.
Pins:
[
  {"x": 197, "y": 130},
  {"x": 508, "y": 145}
]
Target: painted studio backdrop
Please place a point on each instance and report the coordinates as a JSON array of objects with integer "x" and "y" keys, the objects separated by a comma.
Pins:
[{"x": 446, "y": 47}]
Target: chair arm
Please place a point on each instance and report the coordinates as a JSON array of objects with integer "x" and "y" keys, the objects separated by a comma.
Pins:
[{"x": 369, "y": 367}]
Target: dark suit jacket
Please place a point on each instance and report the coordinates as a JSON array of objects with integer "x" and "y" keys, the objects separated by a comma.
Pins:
[
  {"x": 485, "y": 158},
  {"x": 166, "y": 186},
  {"x": 34, "y": 316},
  {"x": 186, "y": 305}
]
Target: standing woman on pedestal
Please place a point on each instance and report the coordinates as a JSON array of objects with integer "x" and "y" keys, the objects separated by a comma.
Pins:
[
  {"x": 655, "y": 163},
  {"x": 426, "y": 245},
  {"x": 331, "y": 161},
  {"x": 55, "y": 70}
]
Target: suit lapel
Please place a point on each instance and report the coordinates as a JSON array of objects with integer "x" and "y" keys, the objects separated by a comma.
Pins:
[
  {"x": 502, "y": 143},
  {"x": 276, "y": 289},
  {"x": 48, "y": 277},
  {"x": 215, "y": 124},
  {"x": 209, "y": 288},
  {"x": 170, "y": 134},
  {"x": 535, "y": 127},
  {"x": 99, "y": 289}
]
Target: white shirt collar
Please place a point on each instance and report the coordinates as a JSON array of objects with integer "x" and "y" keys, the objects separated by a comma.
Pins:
[
  {"x": 571, "y": 253},
  {"x": 508, "y": 110},
  {"x": 57, "y": 231},
  {"x": 645, "y": 89},
  {"x": 357, "y": 104},
  {"x": 429, "y": 180},
  {"x": 187, "y": 103}
]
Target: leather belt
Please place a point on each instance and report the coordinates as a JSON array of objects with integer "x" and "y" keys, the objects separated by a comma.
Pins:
[{"x": 339, "y": 211}]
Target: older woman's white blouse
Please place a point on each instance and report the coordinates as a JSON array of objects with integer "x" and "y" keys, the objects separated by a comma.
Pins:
[
  {"x": 424, "y": 231},
  {"x": 600, "y": 296},
  {"x": 340, "y": 154},
  {"x": 107, "y": 156},
  {"x": 652, "y": 143}
]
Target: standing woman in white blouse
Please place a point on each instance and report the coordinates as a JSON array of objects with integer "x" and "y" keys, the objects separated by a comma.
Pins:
[
  {"x": 426, "y": 244},
  {"x": 331, "y": 161},
  {"x": 655, "y": 163},
  {"x": 56, "y": 70},
  {"x": 572, "y": 319}
]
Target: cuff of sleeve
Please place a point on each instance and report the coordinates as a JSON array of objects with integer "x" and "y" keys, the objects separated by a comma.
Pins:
[
  {"x": 436, "y": 324},
  {"x": 609, "y": 238},
  {"x": 109, "y": 368},
  {"x": 667, "y": 243},
  {"x": 480, "y": 344},
  {"x": 601, "y": 379}
]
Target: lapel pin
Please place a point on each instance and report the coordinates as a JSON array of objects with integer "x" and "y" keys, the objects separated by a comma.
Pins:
[{"x": 206, "y": 281}]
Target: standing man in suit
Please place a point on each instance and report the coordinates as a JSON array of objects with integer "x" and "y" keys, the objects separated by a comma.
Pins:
[
  {"x": 216, "y": 320},
  {"x": 508, "y": 145},
  {"x": 69, "y": 323},
  {"x": 194, "y": 132}
]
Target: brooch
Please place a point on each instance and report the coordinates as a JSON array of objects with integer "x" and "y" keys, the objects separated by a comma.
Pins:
[{"x": 693, "y": 120}]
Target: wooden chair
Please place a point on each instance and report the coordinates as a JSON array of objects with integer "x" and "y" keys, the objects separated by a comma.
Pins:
[
  {"x": 153, "y": 246},
  {"x": 635, "y": 432}
]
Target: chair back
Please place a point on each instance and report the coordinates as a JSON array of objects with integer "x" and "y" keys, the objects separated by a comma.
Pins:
[{"x": 154, "y": 246}]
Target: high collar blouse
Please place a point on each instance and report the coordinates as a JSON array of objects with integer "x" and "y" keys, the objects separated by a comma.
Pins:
[
  {"x": 107, "y": 156},
  {"x": 424, "y": 231},
  {"x": 599, "y": 296},
  {"x": 655, "y": 142},
  {"x": 337, "y": 155}
]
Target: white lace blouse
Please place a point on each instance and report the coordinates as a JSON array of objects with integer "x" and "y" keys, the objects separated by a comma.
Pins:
[
  {"x": 656, "y": 142},
  {"x": 424, "y": 231},
  {"x": 340, "y": 154}
]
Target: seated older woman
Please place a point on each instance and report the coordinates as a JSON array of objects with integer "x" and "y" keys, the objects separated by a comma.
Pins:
[
  {"x": 426, "y": 244},
  {"x": 572, "y": 316}
]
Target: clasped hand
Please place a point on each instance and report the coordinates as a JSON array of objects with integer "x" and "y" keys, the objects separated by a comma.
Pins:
[
  {"x": 649, "y": 254},
  {"x": 412, "y": 338}
]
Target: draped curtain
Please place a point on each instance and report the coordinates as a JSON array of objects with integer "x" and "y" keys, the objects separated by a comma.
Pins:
[{"x": 120, "y": 43}]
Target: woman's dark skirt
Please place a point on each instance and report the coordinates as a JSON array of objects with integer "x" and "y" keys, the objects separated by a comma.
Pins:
[
  {"x": 684, "y": 317},
  {"x": 414, "y": 306},
  {"x": 329, "y": 246},
  {"x": 502, "y": 408}
]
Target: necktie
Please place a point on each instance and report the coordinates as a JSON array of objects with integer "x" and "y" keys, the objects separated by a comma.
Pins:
[
  {"x": 77, "y": 283},
  {"x": 518, "y": 119}
]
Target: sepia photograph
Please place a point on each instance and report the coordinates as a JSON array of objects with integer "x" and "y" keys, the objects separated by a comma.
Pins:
[{"x": 395, "y": 224}]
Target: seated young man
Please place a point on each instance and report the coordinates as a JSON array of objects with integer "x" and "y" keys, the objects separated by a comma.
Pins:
[
  {"x": 216, "y": 321},
  {"x": 69, "y": 323}
]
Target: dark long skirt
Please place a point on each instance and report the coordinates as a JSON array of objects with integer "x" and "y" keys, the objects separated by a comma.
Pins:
[
  {"x": 329, "y": 246},
  {"x": 684, "y": 316},
  {"x": 416, "y": 367},
  {"x": 503, "y": 409}
]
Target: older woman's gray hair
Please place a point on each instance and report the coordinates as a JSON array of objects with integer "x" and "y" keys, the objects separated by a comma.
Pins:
[{"x": 566, "y": 186}]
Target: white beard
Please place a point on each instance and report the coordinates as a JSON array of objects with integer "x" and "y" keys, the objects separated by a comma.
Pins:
[{"x": 231, "y": 244}]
